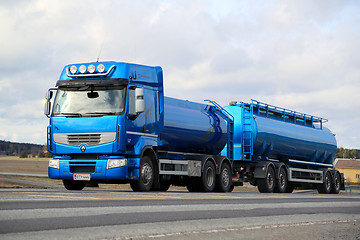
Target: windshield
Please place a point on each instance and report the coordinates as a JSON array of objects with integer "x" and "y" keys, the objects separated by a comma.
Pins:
[{"x": 89, "y": 101}]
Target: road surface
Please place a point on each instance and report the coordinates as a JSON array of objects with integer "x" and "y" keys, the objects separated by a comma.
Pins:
[{"x": 120, "y": 214}]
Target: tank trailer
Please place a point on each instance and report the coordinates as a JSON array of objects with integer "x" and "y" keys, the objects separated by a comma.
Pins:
[{"x": 109, "y": 122}]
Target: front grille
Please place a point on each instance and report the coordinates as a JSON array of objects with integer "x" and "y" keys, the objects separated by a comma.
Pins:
[
  {"x": 88, "y": 139},
  {"x": 82, "y": 169},
  {"x": 82, "y": 166}
]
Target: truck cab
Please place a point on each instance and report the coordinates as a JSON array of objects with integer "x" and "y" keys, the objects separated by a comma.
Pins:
[{"x": 103, "y": 116}]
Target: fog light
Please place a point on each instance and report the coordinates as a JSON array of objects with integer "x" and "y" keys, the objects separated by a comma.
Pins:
[
  {"x": 54, "y": 163},
  {"x": 114, "y": 163}
]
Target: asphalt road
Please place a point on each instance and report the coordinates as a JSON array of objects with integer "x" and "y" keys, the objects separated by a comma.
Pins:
[{"x": 119, "y": 214}]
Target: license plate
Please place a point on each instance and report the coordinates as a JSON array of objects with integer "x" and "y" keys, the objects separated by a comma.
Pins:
[{"x": 81, "y": 177}]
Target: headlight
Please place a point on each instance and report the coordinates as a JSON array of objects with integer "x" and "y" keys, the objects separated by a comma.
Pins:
[
  {"x": 114, "y": 163},
  {"x": 91, "y": 68},
  {"x": 82, "y": 69},
  {"x": 101, "y": 68},
  {"x": 54, "y": 163}
]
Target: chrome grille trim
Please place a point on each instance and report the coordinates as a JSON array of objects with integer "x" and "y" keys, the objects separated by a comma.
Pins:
[{"x": 90, "y": 139}]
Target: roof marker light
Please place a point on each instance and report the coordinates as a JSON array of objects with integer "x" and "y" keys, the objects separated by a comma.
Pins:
[
  {"x": 91, "y": 68},
  {"x": 101, "y": 68},
  {"x": 82, "y": 69},
  {"x": 73, "y": 69}
]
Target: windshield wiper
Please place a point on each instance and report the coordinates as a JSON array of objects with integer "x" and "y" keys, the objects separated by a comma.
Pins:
[
  {"x": 69, "y": 114},
  {"x": 100, "y": 113}
]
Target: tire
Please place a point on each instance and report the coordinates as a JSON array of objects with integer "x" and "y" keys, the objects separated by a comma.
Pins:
[
  {"x": 231, "y": 188},
  {"x": 224, "y": 179},
  {"x": 146, "y": 176},
  {"x": 267, "y": 184},
  {"x": 208, "y": 178},
  {"x": 281, "y": 184},
  {"x": 326, "y": 186},
  {"x": 74, "y": 185},
  {"x": 336, "y": 183}
]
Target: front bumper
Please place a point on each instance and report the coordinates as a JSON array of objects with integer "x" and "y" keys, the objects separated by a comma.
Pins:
[{"x": 97, "y": 169}]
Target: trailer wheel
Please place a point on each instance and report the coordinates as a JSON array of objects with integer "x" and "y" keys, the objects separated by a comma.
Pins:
[
  {"x": 282, "y": 182},
  {"x": 267, "y": 184},
  {"x": 146, "y": 176},
  {"x": 208, "y": 177},
  {"x": 224, "y": 179},
  {"x": 335, "y": 189},
  {"x": 326, "y": 186},
  {"x": 74, "y": 185}
]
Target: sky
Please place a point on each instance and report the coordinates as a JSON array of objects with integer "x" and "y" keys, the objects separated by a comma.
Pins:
[{"x": 301, "y": 55}]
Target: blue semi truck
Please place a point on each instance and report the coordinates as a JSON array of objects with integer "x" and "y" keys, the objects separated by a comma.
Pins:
[{"x": 109, "y": 122}]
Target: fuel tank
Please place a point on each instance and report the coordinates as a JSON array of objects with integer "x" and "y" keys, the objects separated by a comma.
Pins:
[
  {"x": 192, "y": 128},
  {"x": 281, "y": 134}
]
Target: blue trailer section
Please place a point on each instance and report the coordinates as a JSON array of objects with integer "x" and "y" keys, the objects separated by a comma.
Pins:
[
  {"x": 110, "y": 123},
  {"x": 193, "y": 128},
  {"x": 272, "y": 133}
]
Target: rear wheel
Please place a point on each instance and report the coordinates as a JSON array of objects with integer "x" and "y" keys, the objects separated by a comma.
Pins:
[
  {"x": 74, "y": 185},
  {"x": 326, "y": 186},
  {"x": 335, "y": 189},
  {"x": 282, "y": 182},
  {"x": 208, "y": 177},
  {"x": 223, "y": 180},
  {"x": 267, "y": 184},
  {"x": 146, "y": 176}
]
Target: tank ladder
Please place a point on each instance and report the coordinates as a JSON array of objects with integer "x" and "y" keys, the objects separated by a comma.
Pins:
[
  {"x": 247, "y": 131},
  {"x": 230, "y": 127}
]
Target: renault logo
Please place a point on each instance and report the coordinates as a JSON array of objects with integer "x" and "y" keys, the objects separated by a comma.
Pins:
[{"x": 83, "y": 148}]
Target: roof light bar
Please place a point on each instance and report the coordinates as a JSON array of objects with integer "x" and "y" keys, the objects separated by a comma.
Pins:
[{"x": 72, "y": 71}]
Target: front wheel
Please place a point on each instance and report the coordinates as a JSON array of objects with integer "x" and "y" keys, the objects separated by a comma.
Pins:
[
  {"x": 146, "y": 176},
  {"x": 74, "y": 185}
]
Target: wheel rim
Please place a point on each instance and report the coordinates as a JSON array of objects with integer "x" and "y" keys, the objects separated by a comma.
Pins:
[
  {"x": 337, "y": 181},
  {"x": 146, "y": 173},
  {"x": 209, "y": 176},
  {"x": 328, "y": 182},
  {"x": 282, "y": 180},
  {"x": 270, "y": 179},
  {"x": 225, "y": 177}
]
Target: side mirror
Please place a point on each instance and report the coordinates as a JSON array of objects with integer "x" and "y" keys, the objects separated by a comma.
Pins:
[
  {"x": 48, "y": 97},
  {"x": 47, "y": 108},
  {"x": 139, "y": 100}
]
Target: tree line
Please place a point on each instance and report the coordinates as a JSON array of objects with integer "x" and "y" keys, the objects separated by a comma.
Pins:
[
  {"x": 347, "y": 153},
  {"x": 23, "y": 150}
]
